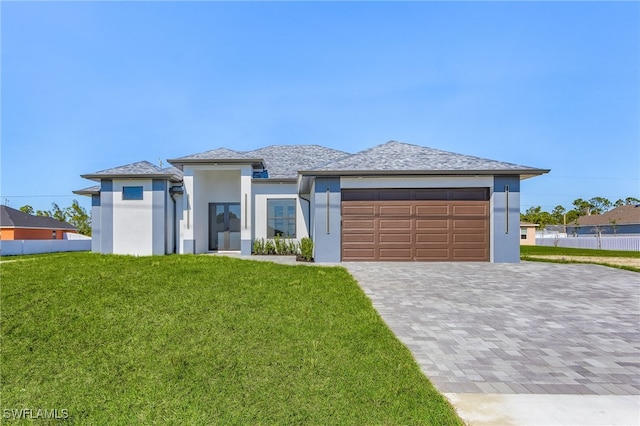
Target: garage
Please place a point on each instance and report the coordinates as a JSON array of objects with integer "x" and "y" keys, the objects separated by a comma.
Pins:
[{"x": 423, "y": 224}]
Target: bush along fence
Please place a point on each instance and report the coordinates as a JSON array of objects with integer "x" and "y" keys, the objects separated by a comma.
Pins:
[{"x": 281, "y": 246}]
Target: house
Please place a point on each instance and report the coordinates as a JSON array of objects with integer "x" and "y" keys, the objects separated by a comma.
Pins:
[
  {"x": 395, "y": 201},
  {"x": 623, "y": 220},
  {"x": 18, "y": 225},
  {"x": 528, "y": 233}
]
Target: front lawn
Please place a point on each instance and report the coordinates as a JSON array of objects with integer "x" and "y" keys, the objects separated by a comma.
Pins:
[
  {"x": 202, "y": 340},
  {"x": 629, "y": 260}
]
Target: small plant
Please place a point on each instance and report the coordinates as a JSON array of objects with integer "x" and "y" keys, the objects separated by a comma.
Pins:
[
  {"x": 306, "y": 249},
  {"x": 278, "y": 245},
  {"x": 269, "y": 247},
  {"x": 259, "y": 246}
]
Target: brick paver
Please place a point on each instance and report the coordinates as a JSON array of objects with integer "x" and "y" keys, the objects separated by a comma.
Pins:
[{"x": 537, "y": 328}]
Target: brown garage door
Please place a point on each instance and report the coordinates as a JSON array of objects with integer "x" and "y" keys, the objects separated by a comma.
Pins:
[{"x": 416, "y": 224}]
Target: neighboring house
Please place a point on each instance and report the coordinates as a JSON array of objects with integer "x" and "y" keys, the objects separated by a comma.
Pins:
[
  {"x": 528, "y": 233},
  {"x": 395, "y": 201},
  {"x": 18, "y": 225},
  {"x": 622, "y": 220}
]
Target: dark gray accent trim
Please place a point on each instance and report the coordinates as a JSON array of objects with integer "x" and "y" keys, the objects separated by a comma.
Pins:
[
  {"x": 95, "y": 200},
  {"x": 158, "y": 185},
  {"x": 106, "y": 185},
  {"x": 106, "y": 217},
  {"x": 499, "y": 183}
]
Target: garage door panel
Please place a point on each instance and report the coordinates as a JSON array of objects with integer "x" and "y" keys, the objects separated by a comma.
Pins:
[
  {"x": 437, "y": 254},
  {"x": 358, "y": 210},
  {"x": 359, "y": 238},
  {"x": 395, "y": 210},
  {"x": 427, "y": 225},
  {"x": 397, "y": 224},
  {"x": 469, "y": 224},
  {"x": 470, "y": 210},
  {"x": 424, "y": 224},
  {"x": 470, "y": 254},
  {"x": 432, "y": 210},
  {"x": 404, "y": 238},
  {"x": 395, "y": 253},
  {"x": 354, "y": 224},
  {"x": 435, "y": 238},
  {"x": 359, "y": 253},
  {"x": 470, "y": 238}
]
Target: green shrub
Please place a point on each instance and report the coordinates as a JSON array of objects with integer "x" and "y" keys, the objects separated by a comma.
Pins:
[
  {"x": 306, "y": 249},
  {"x": 278, "y": 245},
  {"x": 269, "y": 247},
  {"x": 259, "y": 246}
]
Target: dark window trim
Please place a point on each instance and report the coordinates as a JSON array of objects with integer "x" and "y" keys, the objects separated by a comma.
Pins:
[
  {"x": 135, "y": 193},
  {"x": 285, "y": 217}
]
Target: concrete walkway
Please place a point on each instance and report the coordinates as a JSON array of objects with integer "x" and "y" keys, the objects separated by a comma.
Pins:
[{"x": 521, "y": 344}]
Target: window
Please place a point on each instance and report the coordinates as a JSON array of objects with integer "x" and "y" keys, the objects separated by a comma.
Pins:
[
  {"x": 132, "y": 193},
  {"x": 523, "y": 233},
  {"x": 281, "y": 218}
]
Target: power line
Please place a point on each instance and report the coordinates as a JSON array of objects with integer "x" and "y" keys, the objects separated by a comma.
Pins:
[{"x": 38, "y": 196}]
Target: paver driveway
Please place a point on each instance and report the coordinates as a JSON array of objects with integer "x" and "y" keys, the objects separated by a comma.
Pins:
[{"x": 528, "y": 328}]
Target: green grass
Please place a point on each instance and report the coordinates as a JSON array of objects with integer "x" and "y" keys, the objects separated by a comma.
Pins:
[
  {"x": 563, "y": 251},
  {"x": 527, "y": 253},
  {"x": 202, "y": 340}
]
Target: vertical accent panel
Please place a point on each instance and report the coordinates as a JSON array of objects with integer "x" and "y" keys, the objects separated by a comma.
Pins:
[
  {"x": 327, "y": 219},
  {"x": 106, "y": 216}
]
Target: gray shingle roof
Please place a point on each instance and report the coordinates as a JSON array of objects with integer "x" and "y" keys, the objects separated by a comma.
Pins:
[
  {"x": 12, "y": 218},
  {"x": 399, "y": 156},
  {"x": 215, "y": 154},
  {"x": 88, "y": 191},
  {"x": 284, "y": 161},
  {"x": 140, "y": 169}
]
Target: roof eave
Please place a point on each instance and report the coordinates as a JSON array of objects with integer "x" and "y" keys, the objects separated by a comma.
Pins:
[
  {"x": 98, "y": 176},
  {"x": 87, "y": 193},
  {"x": 179, "y": 162},
  {"x": 523, "y": 173},
  {"x": 275, "y": 180}
]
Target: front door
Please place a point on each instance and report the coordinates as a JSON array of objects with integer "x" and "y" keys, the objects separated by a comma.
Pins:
[{"x": 224, "y": 226}]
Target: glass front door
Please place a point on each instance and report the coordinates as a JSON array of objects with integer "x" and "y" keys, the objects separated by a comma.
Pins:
[{"x": 224, "y": 226}]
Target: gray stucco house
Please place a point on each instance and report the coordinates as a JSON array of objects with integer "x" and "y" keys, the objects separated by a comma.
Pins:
[{"x": 392, "y": 202}]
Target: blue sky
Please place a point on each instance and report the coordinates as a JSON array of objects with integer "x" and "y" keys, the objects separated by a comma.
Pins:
[{"x": 92, "y": 85}]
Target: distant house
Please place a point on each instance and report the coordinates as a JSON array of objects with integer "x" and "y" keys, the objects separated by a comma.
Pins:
[
  {"x": 528, "y": 233},
  {"x": 622, "y": 220},
  {"x": 18, "y": 225}
]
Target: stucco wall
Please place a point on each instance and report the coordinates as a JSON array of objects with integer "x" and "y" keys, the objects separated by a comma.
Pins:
[
  {"x": 265, "y": 191},
  {"x": 327, "y": 220},
  {"x": 133, "y": 219},
  {"x": 505, "y": 220}
]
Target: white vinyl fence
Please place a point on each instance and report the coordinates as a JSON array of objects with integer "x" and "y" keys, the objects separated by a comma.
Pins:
[
  {"x": 17, "y": 247},
  {"x": 630, "y": 243}
]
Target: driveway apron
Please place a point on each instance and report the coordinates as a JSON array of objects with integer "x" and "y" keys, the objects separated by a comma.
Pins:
[{"x": 514, "y": 329}]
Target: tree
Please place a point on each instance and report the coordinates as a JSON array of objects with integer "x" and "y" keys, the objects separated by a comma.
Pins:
[
  {"x": 78, "y": 217},
  {"x": 582, "y": 207},
  {"x": 536, "y": 215},
  {"x": 629, "y": 201},
  {"x": 599, "y": 205},
  {"x": 74, "y": 215},
  {"x": 27, "y": 209},
  {"x": 558, "y": 214}
]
